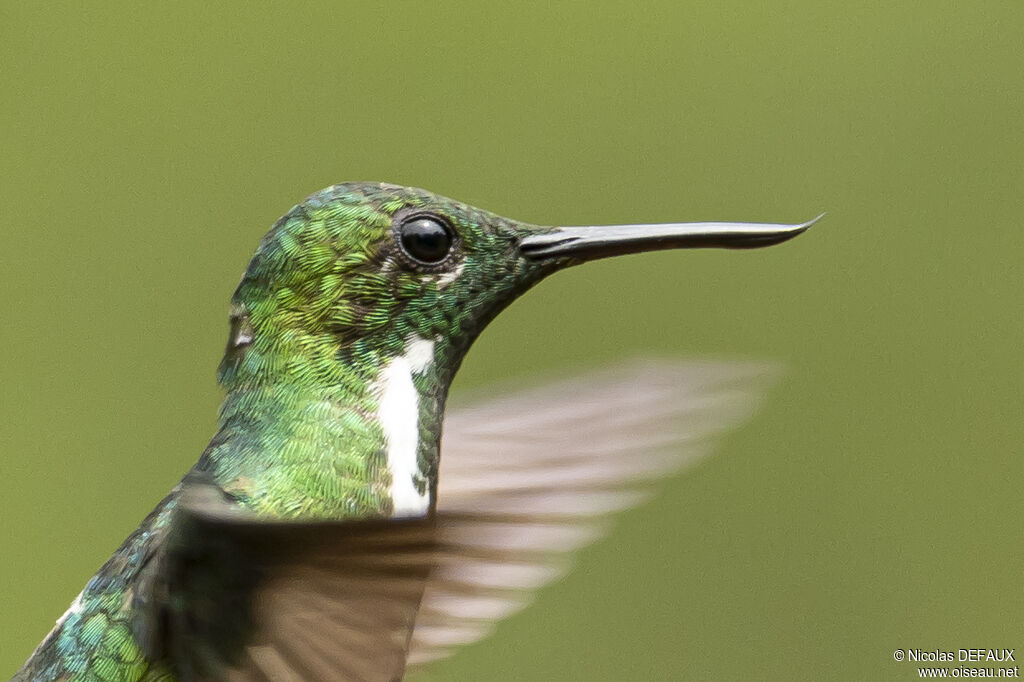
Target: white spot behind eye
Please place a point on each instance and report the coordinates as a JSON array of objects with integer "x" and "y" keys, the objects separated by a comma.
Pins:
[{"x": 449, "y": 277}]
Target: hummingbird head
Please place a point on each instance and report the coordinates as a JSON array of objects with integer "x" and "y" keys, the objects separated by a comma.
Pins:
[
  {"x": 358, "y": 271},
  {"x": 355, "y": 273},
  {"x": 355, "y": 313}
]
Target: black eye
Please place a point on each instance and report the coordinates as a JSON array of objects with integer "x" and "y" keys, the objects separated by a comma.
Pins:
[{"x": 425, "y": 239}]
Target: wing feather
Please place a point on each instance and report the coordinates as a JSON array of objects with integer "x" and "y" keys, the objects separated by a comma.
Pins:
[
  {"x": 524, "y": 482},
  {"x": 527, "y": 480}
]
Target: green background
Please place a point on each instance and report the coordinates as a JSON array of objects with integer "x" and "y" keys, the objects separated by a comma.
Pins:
[{"x": 873, "y": 504}]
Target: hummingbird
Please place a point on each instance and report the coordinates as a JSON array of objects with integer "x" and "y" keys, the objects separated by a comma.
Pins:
[{"x": 329, "y": 531}]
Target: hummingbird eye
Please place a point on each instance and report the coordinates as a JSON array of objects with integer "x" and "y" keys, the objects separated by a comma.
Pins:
[{"x": 425, "y": 239}]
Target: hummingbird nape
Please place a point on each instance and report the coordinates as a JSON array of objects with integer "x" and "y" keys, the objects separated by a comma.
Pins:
[{"x": 329, "y": 531}]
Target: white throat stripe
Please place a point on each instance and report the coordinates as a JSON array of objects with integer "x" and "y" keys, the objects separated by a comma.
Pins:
[{"x": 399, "y": 416}]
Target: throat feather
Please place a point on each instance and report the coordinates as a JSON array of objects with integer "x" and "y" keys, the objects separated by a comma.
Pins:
[{"x": 399, "y": 414}]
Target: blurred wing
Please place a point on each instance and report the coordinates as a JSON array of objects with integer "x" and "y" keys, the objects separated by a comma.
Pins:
[
  {"x": 526, "y": 480},
  {"x": 245, "y": 598}
]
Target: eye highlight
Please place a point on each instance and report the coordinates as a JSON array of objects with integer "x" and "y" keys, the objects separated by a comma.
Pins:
[{"x": 425, "y": 239}]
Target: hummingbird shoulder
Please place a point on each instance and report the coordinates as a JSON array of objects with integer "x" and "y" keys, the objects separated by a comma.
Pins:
[{"x": 320, "y": 536}]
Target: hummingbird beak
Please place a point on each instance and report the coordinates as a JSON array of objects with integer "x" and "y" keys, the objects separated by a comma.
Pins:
[{"x": 600, "y": 241}]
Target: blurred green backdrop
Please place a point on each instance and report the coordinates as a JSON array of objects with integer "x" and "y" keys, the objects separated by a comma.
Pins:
[{"x": 873, "y": 504}]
